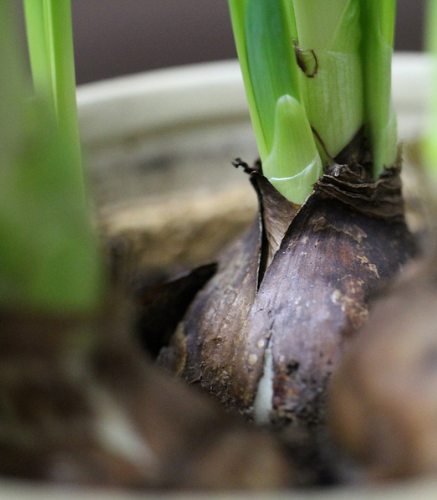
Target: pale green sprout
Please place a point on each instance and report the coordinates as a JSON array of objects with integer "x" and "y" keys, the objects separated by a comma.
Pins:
[
  {"x": 332, "y": 59},
  {"x": 290, "y": 145},
  {"x": 48, "y": 255}
]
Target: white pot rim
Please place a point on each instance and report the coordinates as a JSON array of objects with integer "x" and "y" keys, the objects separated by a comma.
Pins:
[{"x": 210, "y": 91}]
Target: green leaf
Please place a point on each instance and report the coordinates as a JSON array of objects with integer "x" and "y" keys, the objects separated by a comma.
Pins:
[
  {"x": 271, "y": 61},
  {"x": 378, "y": 21},
  {"x": 48, "y": 254},
  {"x": 263, "y": 33},
  {"x": 430, "y": 142},
  {"x": 238, "y": 17},
  {"x": 333, "y": 94},
  {"x": 50, "y": 40}
]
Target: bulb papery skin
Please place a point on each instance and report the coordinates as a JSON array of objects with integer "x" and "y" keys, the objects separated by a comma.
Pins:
[
  {"x": 429, "y": 144},
  {"x": 385, "y": 144},
  {"x": 267, "y": 41}
]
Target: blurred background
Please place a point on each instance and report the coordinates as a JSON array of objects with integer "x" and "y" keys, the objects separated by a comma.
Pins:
[{"x": 116, "y": 37}]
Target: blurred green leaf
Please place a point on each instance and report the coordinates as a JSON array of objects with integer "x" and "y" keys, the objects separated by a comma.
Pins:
[{"x": 48, "y": 254}]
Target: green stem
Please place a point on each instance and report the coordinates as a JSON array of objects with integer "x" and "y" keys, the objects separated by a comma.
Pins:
[
  {"x": 264, "y": 34},
  {"x": 49, "y": 261},
  {"x": 38, "y": 38},
  {"x": 378, "y": 20},
  {"x": 316, "y": 65},
  {"x": 50, "y": 40},
  {"x": 238, "y": 17},
  {"x": 329, "y": 37},
  {"x": 430, "y": 142}
]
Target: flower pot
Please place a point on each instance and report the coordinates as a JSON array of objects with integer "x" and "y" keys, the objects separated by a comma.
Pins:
[{"x": 159, "y": 147}]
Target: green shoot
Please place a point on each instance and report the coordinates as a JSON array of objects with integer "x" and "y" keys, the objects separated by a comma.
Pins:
[
  {"x": 50, "y": 40},
  {"x": 265, "y": 42},
  {"x": 238, "y": 15},
  {"x": 313, "y": 65},
  {"x": 263, "y": 31},
  {"x": 378, "y": 20},
  {"x": 430, "y": 143},
  {"x": 48, "y": 256}
]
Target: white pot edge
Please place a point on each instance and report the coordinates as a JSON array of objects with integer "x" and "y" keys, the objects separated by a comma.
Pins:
[{"x": 214, "y": 91}]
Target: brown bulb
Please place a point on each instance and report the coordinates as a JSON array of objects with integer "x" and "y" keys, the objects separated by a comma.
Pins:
[
  {"x": 290, "y": 294},
  {"x": 383, "y": 399}
]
